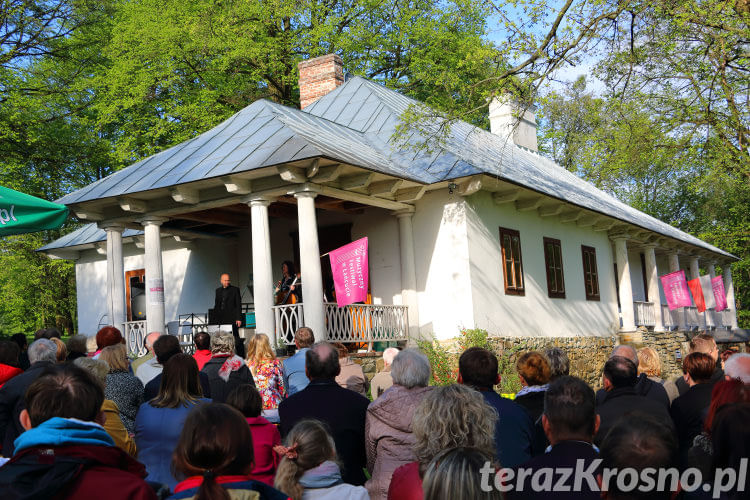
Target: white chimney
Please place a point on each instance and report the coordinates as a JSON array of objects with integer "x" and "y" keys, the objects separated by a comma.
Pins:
[{"x": 507, "y": 121}]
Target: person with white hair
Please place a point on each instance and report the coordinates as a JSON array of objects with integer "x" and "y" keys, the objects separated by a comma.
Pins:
[
  {"x": 738, "y": 367},
  {"x": 383, "y": 379},
  {"x": 388, "y": 433},
  {"x": 225, "y": 370},
  {"x": 146, "y": 367},
  {"x": 42, "y": 355}
]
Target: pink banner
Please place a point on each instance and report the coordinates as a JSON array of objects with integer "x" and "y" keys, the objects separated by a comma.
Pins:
[
  {"x": 350, "y": 272},
  {"x": 720, "y": 295},
  {"x": 676, "y": 290}
]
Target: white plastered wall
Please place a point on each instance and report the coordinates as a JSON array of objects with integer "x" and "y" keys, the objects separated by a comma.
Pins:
[
  {"x": 191, "y": 275},
  {"x": 535, "y": 314},
  {"x": 442, "y": 265}
]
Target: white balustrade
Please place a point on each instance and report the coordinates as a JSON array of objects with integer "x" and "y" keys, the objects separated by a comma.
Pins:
[
  {"x": 668, "y": 318},
  {"x": 367, "y": 322},
  {"x": 692, "y": 319},
  {"x": 724, "y": 318},
  {"x": 353, "y": 323},
  {"x": 644, "y": 313},
  {"x": 288, "y": 318},
  {"x": 135, "y": 333}
]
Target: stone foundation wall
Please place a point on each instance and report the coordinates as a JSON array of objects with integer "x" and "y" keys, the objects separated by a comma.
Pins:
[
  {"x": 371, "y": 362},
  {"x": 587, "y": 354}
]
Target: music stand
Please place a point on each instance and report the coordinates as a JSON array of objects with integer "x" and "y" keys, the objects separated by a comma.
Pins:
[{"x": 218, "y": 328}]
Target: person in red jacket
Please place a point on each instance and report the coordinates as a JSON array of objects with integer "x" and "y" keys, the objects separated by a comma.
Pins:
[
  {"x": 249, "y": 402},
  {"x": 202, "y": 349},
  {"x": 65, "y": 452},
  {"x": 9, "y": 352}
]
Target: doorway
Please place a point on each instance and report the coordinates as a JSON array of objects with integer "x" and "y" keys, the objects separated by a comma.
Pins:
[{"x": 135, "y": 294}]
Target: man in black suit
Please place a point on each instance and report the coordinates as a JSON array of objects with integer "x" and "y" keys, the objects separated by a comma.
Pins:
[
  {"x": 620, "y": 377},
  {"x": 570, "y": 423},
  {"x": 344, "y": 411},
  {"x": 228, "y": 310},
  {"x": 643, "y": 385}
]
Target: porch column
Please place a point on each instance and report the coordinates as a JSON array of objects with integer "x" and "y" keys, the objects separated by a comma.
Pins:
[
  {"x": 154, "y": 275},
  {"x": 695, "y": 271},
  {"x": 652, "y": 280},
  {"x": 674, "y": 265},
  {"x": 262, "y": 269},
  {"x": 626, "y": 287},
  {"x": 309, "y": 253},
  {"x": 711, "y": 269},
  {"x": 408, "y": 272},
  {"x": 729, "y": 289},
  {"x": 711, "y": 318},
  {"x": 115, "y": 276}
]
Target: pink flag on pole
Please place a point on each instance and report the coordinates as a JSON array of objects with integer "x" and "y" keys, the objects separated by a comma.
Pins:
[
  {"x": 720, "y": 295},
  {"x": 676, "y": 290},
  {"x": 350, "y": 272}
]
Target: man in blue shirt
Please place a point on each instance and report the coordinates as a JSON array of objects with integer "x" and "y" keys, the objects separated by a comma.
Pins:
[{"x": 295, "y": 378}]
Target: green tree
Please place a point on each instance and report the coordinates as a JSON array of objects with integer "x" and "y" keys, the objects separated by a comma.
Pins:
[
  {"x": 48, "y": 145},
  {"x": 177, "y": 69}
]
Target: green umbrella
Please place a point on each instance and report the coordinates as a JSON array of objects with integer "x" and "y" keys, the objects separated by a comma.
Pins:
[{"x": 22, "y": 213}]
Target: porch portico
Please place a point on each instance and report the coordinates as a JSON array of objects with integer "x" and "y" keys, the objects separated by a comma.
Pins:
[{"x": 267, "y": 217}]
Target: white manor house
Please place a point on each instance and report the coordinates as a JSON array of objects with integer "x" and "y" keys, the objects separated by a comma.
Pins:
[{"x": 481, "y": 233}]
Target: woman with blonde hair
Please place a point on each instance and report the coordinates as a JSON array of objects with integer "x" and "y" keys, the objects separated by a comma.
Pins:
[
  {"x": 649, "y": 365},
  {"x": 447, "y": 417},
  {"x": 124, "y": 388},
  {"x": 308, "y": 467},
  {"x": 62, "y": 350},
  {"x": 455, "y": 473},
  {"x": 268, "y": 375}
]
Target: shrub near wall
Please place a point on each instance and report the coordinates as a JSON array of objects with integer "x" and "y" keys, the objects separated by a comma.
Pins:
[{"x": 444, "y": 356}]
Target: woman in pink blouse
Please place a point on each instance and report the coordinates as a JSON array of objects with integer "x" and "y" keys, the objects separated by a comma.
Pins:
[{"x": 268, "y": 375}]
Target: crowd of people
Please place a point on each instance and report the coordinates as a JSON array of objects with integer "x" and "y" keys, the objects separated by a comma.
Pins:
[{"x": 216, "y": 425}]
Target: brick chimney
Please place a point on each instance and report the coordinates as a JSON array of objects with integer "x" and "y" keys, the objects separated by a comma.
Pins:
[{"x": 319, "y": 76}]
